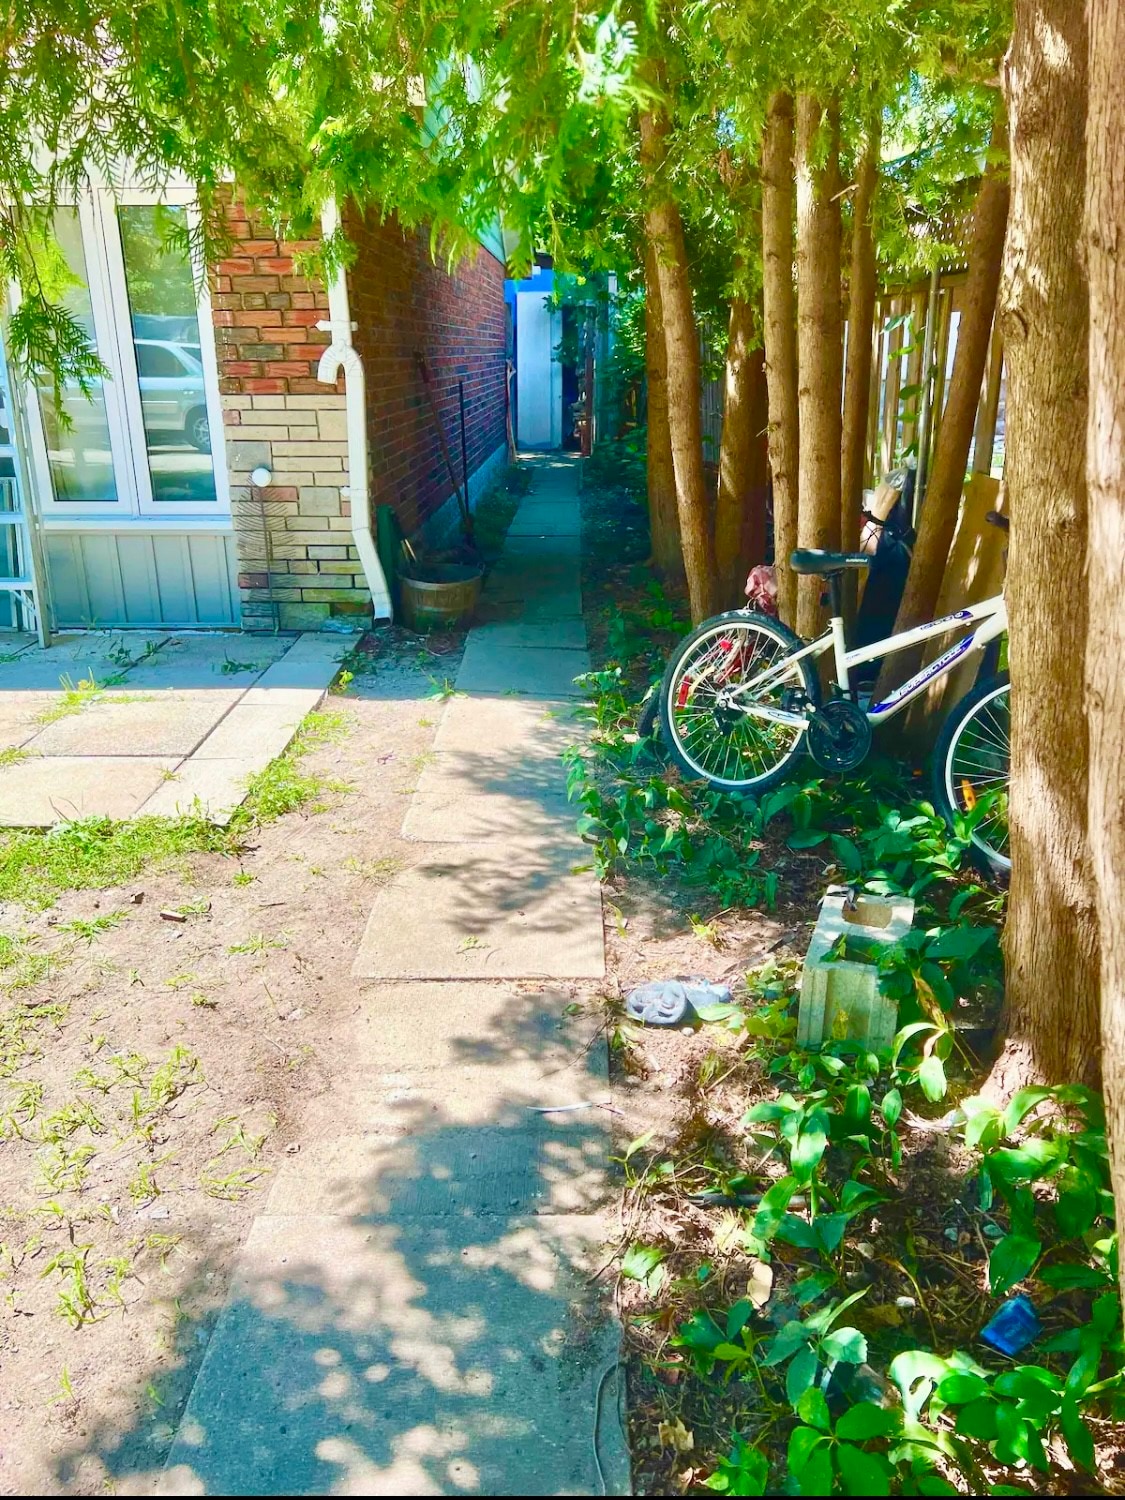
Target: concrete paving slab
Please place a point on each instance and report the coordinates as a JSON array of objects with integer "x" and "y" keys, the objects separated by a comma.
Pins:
[
  {"x": 507, "y": 727},
  {"x": 20, "y": 711},
  {"x": 12, "y": 642},
  {"x": 453, "y": 817},
  {"x": 481, "y": 911},
  {"x": 311, "y": 662},
  {"x": 565, "y": 634},
  {"x": 187, "y": 662},
  {"x": 543, "y": 672},
  {"x": 442, "y": 1357},
  {"x": 459, "y": 1172},
  {"x": 543, "y": 546},
  {"x": 163, "y": 724},
  {"x": 256, "y": 732},
  {"x": 48, "y": 789},
  {"x": 207, "y": 788},
  {"x": 441, "y": 1031},
  {"x": 561, "y": 520},
  {"x": 521, "y": 604}
]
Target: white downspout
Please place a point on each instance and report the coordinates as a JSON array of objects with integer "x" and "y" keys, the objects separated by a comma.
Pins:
[{"x": 341, "y": 354}]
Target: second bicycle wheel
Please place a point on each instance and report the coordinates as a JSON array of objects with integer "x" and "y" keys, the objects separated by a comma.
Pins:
[
  {"x": 971, "y": 768},
  {"x": 715, "y": 739}
]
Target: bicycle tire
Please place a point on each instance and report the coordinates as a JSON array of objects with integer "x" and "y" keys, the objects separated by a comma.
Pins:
[
  {"x": 980, "y": 707},
  {"x": 721, "y": 628}
]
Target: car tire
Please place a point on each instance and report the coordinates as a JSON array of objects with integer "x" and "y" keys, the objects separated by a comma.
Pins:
[{"x": 197, "y": 429}]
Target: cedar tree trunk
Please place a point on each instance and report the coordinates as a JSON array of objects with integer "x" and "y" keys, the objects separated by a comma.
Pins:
[
  {"x": 664, "y": 231},
  {"x": 819, "y": 344},
  {"x": 861, "y": 320},
  {"x": 740, "y": 510},
  {"x": 780, "y": 337},
  {"x": 1050, "y": 943},
  {"x": 663, "y": 517},
  {"x": 1105, "y": 647},
  {"x": 938, "y": 516}
]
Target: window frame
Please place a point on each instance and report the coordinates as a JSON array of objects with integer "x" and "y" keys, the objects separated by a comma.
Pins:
[{"x": 103, "y": 251}]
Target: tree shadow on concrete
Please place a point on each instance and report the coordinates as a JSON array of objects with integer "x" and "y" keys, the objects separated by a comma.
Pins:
[{"x": 418, "y": 1310}]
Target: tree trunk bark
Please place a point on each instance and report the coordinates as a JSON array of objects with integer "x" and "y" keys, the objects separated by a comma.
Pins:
[
  {"x": 663, "y": 517},
  {"x": 780, "y": 336},
  {"x": 1050, "y": 943},
  {"x": 819, "y": 345},
  {"x": 861, "y": 319},
  {"x": 1105, "y": 647},
  {"x": 664, "y": 230},
  {"x": 938, "y": 516},
  {"x": 740, "y": 510}
]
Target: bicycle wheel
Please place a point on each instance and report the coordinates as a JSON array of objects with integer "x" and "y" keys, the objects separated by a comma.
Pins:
[
  {"x": 971, "y": 764},
  {"x": 718, "y": 741}
]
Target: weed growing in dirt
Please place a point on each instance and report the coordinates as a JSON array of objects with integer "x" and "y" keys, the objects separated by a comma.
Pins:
[{"x": 95, "y": 853}]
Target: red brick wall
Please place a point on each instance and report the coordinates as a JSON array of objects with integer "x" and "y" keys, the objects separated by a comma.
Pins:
[
  {"x": 404, "y": 304},
  {"x": 265, "y": 316}
]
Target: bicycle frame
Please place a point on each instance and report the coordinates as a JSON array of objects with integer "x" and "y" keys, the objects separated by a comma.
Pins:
[{"x": 991, "y": 613}]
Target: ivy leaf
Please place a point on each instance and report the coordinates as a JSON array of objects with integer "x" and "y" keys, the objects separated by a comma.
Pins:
[
  {"x": 813, "y": 1409},
  {"x": 862, "y": 1473},
  {"x": 1076, "y": 1208},
  {"x": 800, "y": 1375},
  {"x": 1011, "y": 1260},
  {"x": 803, "y": 1443},
  {"x": 860, "y": 1423},
  {"x": 846, "y": 1346},
  {"x": 787, "y": 1342},
  {"x": 960, "y": 1387},
  {"x": 738, "y": 1317},
  {"x": 806, "y": 838}
]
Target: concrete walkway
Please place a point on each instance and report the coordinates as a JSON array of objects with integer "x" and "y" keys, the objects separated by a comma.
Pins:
[
  {"x": 417, "y": 1312},
  {"x": 117, "y": 726}
]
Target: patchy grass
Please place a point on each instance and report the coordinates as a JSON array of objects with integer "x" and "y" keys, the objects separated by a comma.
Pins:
[
  {"x": 13, "y": 755},
  {"x": 96, "y": 853}
]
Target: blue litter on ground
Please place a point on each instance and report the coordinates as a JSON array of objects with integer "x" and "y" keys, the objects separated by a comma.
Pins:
[{"x": 1015, "y": 1325}]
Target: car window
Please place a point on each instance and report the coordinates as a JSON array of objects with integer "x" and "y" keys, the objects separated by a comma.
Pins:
[{"x": 153, "y": 360}]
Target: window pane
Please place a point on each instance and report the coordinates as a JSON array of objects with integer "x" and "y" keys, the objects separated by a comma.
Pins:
[
  {"x": 164, "y": 318},
  {"x": 78, "y": 452}
]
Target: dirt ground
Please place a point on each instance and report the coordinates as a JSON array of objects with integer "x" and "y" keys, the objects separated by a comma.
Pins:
[{"x": 156, "y": 1069}]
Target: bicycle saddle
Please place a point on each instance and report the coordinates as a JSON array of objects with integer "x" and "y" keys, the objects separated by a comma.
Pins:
[{"x": 815, "y": 560}]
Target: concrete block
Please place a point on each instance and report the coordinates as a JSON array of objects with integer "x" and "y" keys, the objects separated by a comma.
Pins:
[
  {"x": 164, "y": 724},
  {"x": 840, "y": 997},
  {"x": 257, "y": 732}
]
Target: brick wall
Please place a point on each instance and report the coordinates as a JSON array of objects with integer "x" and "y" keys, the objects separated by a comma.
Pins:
[
  {"x": 277, "y": 414},
  {"x": 404, "y": 305}
]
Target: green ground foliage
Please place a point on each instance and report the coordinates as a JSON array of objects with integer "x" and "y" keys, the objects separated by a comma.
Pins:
[{"x": 875, "y": 1208}]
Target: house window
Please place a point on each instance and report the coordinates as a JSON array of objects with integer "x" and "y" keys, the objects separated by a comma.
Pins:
[{"x": 141, "y": 446}]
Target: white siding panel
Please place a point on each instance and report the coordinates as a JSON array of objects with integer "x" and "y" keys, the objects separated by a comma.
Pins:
[
  {"x": 108, "y": 578},
  {"x": 174, "y": 579}
]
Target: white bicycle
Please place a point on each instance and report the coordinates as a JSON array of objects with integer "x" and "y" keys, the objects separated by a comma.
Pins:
[{"x": 741, "y": 703}]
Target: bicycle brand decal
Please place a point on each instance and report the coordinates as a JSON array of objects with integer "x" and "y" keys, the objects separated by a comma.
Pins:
[{"x": 927, "y": 674}]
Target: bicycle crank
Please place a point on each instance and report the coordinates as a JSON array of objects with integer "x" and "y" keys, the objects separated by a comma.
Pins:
[{"x": 839, "y": 735}]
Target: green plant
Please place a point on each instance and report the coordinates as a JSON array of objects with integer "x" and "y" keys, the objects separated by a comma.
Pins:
[
  {"x": 822, "y": 1454},
  {"x": 741, "y": 1472}
]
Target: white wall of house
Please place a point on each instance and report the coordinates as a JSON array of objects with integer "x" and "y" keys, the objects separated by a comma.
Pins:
[{"x": 538, "y": 372}]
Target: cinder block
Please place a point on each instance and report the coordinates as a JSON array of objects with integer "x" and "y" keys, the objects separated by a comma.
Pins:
[{"x": 841, "y": 1000}]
